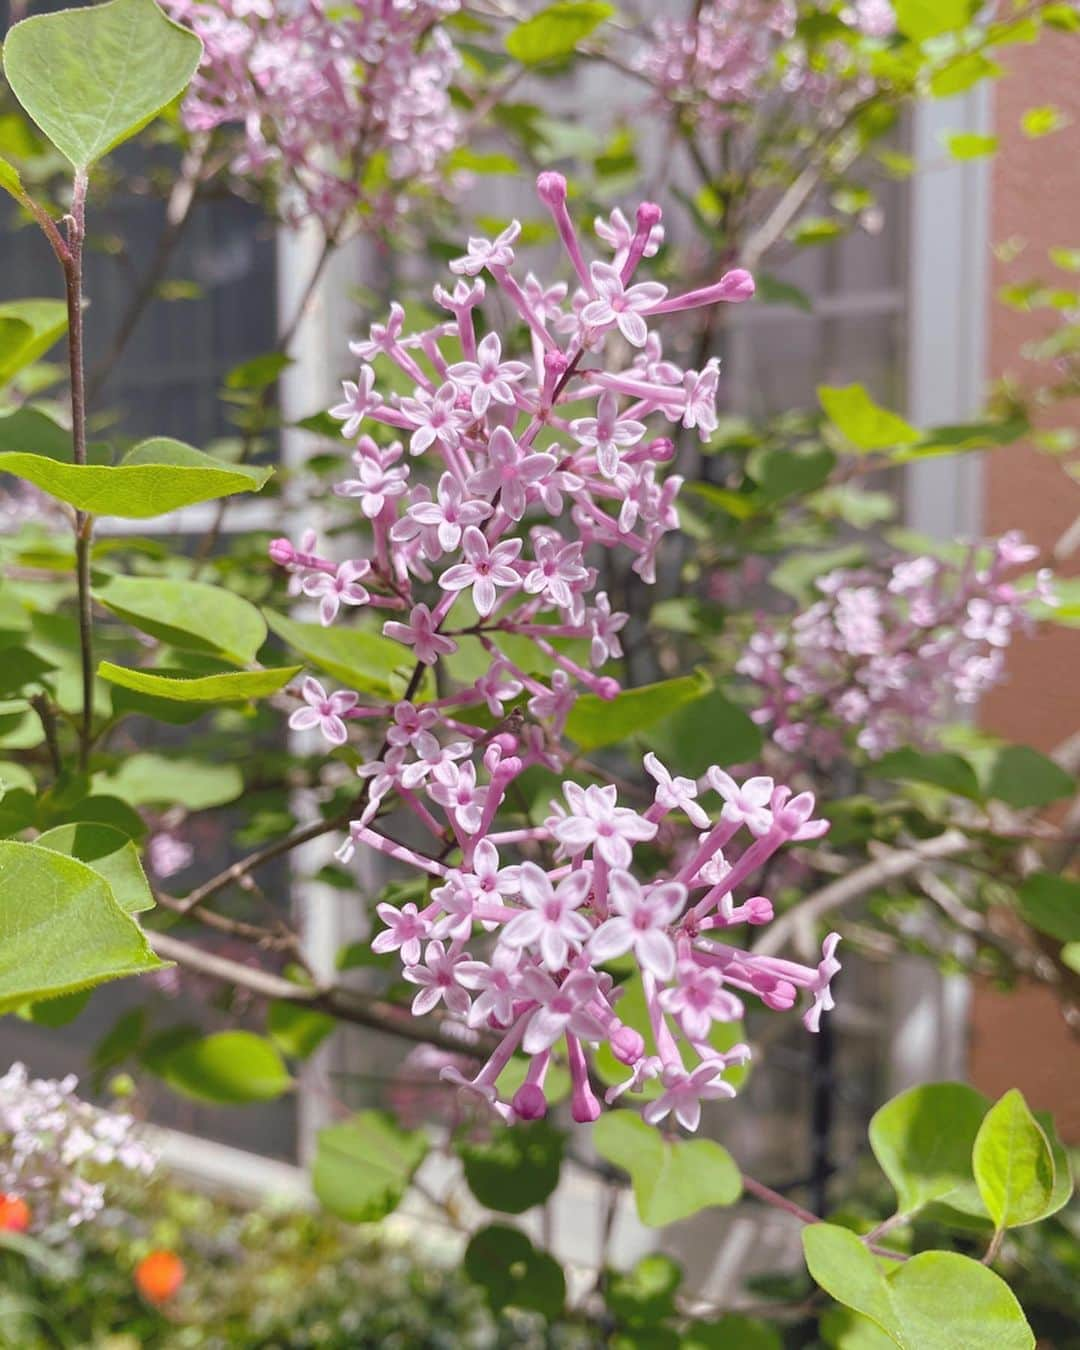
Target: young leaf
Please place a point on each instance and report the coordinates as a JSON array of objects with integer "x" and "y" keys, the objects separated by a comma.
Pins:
[
  {"x": 147, "y": 779},
  {"x": 229, "y": 1068},
  {"x": 43, "y": 322},
  {"x": 363, "y": 1166},
  {"x": 61, "y": 928},
  {"x": 862, "y": 421},
  {"x": 517, "y": 1168},
  {"x": 921, "y": 19},
  {"x": 152, "y": 480},
  {"x": 297, "y": 1031},
  {"x": 595, "y": 721},
  {"x": 92, "y": 77},
  {"x": 1013, "y": 1165},
  {"x": 1022, "y": 777},
  {"x": 553, "y": 34},
  {"x": 110, "y": 853},
  {"x": 512, "y": 1273},
  {"x": 1052, "y": 905},
  {"x": 923, "y": 1139},
  {"x": 191, "y": 615},
  {"x": 934, "y": 1301},
  {"x": 229, "y": 687},
  {"x": 368, "y": 662},
  {"x": 671, "y": 1179}
]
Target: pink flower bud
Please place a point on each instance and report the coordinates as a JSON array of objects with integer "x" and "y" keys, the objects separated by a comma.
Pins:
[
  {"x": 627, "y": 1045},
  {"x": 529, "y": 1102},
  {"x": 649, "y": 215},
  {"x": 606, "y": 687},
  {"x": 551, "y": 188},
  {"x": 281, "y": 552}
]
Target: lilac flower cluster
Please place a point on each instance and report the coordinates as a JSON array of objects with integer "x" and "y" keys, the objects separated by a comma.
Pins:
[
  {"x": 885, "y": 650},
  {"x": 339, "y": 106},
  {"x": 54, "y": 1148},
  {"x": 525, "y": 496},
  {"x": 721, "y": 61}
]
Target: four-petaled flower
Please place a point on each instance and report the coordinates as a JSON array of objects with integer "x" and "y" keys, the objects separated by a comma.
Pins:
[
  {"x": 484, "y": 569},
  {"x": 360, "y": 400},
  {"x": 325, "y": 711},
  {"x": 551, "y": 923},
  {"x": 489, "y": 378},
  {"x": 640, "y": 923},
  {"x": 488, "y": 253},
  {"x": 438, "y": 981},
  {"x": 605, "y": 434},
  {"x": 343, "y": 588},
  {"x": 684, "y": 1092},
  {"x": 597, "y": 821},
  {"x": 421, "y": 634},
  {"x": 619, "y": 306},
  {"x": 510, "y": 472}
]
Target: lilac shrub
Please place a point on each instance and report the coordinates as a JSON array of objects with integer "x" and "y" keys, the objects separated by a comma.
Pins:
[{"x": 539, "y": 459}]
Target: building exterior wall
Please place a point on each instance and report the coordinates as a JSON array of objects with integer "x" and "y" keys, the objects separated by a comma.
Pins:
[{"x": 1020, "y": 1039}]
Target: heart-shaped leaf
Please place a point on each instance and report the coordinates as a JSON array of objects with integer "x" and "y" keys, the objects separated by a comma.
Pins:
[
  {"x": 1013, "y": 1164},
  {"x": 672, "y": 1179},
  {"x": 934, "y": 1301},
  {"x": 363, "y": 1166},
  {"x": 61, "y": 928},
  {"x": 517, "y": 1168},
  {"x": 92, "y": 77},
  {"x": 230, "y": 1068},
  {"x": 923, "y": 1139},
  {"x": 110, "y": 853},
  {"x": 512, "y": 1273}
]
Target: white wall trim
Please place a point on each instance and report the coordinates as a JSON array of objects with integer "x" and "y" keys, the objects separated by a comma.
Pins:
[{"x": 948, "y": 306}]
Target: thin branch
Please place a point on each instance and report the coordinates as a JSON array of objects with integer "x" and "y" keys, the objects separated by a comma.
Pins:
[
  {"x": 856, "y": 884},
  {"x": 347, "y": 1005}
]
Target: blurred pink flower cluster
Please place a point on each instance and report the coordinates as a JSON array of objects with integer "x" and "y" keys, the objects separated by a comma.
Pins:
[
  {"x": 723, "y": 59},
  {"x": 542, "y": 459},
  {"x": 54, "y": 1149},
  {"x": 885, "y": 651},
  {"x": 338, "y": 106}
]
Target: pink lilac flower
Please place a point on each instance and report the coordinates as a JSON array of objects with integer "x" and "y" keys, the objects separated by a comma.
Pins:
[
  {"x": 596, "y": 821},
  {"x": 484, "y": 569},
  {"x": 308, "y": 95},
  {"x": 325, "y": 711},
  {"x": 421, "y": 634},
  {"x": 618, "y": 305},
  {"x": 341, "y": 588},
  {"x": 550, "y": 923},
  {"x": 642, "y": 919}
]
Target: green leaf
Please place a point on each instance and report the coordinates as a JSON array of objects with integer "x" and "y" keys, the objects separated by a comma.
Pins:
[
  {"x": 923, "y": 1139},
  {"x": 962, "y": 74},
  {"x": 297, "y": 1031},
  {"x": 92, "y": 77},
  {"x": 363, "y": 1166},
  {"x": 231, "y": 687},
  {"x": 229, "y": 1068},
  {"x": 951, "y": 772},
  {"x": 865, "y": 424},
  {"x": 517, "y": 1168},
  {"x": 191, "y": 615},
  {"x": 934, "y": 1301},
  {"x": 969, "y": 144},
  {"x": 32, "y": 429},
  {"x": 645, "y": 1295},
  {"x": 1022, "y": 777},
  {"x": 711, "y": 730},
  {"x": 772, "y": 290},
  {"x": 595, "y": 721},
  {"x": 512, "y": 1273},
  {"x": 364, "y": 661},
  {"x": 672, "y": 1179},
  {"x": 733, "y": 1332},
  {"x": 10, "y": 180},
  {"x": 1052, "y": 905},
  {"x": 152, "y": 480},
  {"x": 258, "y": 373},
  {"x": 61, "y": 928},
  {"x": 110, "y": 853},
  {"x": 789, "y": 473},
  {"x": 921, "y": 19},
  {"x": 42, "y": 323},
  {"x": 1013, "y": 1165},
  {"x": 553, "y": 34},
  {"x": 147, "y": 779}
]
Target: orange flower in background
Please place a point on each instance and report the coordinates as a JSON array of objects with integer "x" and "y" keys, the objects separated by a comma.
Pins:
[
  {"x": 14, "y": 1214},
  {"x": 159, "y": 1276}
]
